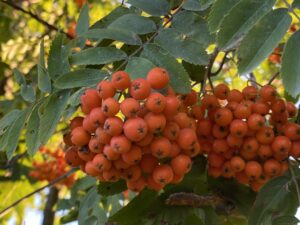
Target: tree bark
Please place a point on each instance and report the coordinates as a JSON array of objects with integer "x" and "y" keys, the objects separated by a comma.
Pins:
[{"x": 49, "y": 213}]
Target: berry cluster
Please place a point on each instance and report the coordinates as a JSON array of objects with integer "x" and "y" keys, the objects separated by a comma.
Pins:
[
  {"x": 51, "y": 167},
  {"x": 147, "y": 137},
  {"x": 247, "y": 135}
]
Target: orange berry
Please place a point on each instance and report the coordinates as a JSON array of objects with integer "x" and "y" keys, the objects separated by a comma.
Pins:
[
  {"x": 110, "y": 153},
  {"x": 242, "y": 111},
  {"x": 120, "y": 144},
  {"x": 106, "y": 89},
  {"x": 102, "y": 136},
  {"x": 140, "y": 89},
  {"x": 235, "y": 96},
  {"x": 72, "y": 158},
  {"x": 97, "y": 118},
  {"x": 163, "y": 174},
  {"x": 101, "y": 163},
  {"x": 291, "y": 108},
  {"x": 120, "y": 165},
  {"x": 265, "y": 135},
  {"x": 250, "y": 144},
  {"x": 264, "y": 152},
  {"x": 255, "y": 121},
  {"x": 158, "y": 78},
  {"x": 223, "y": 116},
  {"x": 197, "y": 112},
  {"x": 209, "y": 101},
  {"x": 204, "y": 127},
  {"x": 91, "y": 169},
  {"x": 156, "y": 122},
  {"x": 133, "y": 156},
  {"x": 237, "y": 164},
  {"x": 172, "y": 106},
  {"x": 90, "y": 100},
  {"x": 181, "y": 164},
  {"x": 278, "y": 106},
  {"x": 80, "y": 137},
  {"x": 272, "y": 168},
  {"x": 130, "y": 107},
  {"x": 156, "y": 102},
  {"x": 112, "y": 175},
  {"x": 171, "y": 131},
  {"x": 151, "y": 184},
  {"x": 183, "y": 120},
  {"x": 253, "y": 170},
  {"x": 135, "y": 129},
  {"x": 76, "y": 122},
  {"x": 238, "y": 128},
  {"x": 113, "y": 126},
  {"x": 227, "y": 170},
  {"x": 242, "y": 178},
  {"x": 110, "y": 107},
  {"x": 191, "y": 98},
  {"x": 220, "y": 131},
  {"x": 161, "y": 147},
  {"x": 220, "y": 146},
  {"x": 250, "y": 93},
  {"x": 221, "y": 91},
  {"x": 175, "y": 150},
  {"x": 281, "y": 144},
  {"x": 267, "y": 93},
  {"x": 215, "y": 160},
  {"x": 187, "y": 138},
  {"x": 261, "y": 108},
  {"x": 136, "y": 186},
  {"x": 120, "y": 80},
  {"x": 234, "y": 141},
  {"x": 95, "y": 146},
  {"x": 133, "y": 173},
  {"x": 148, "y": 163},
  {"x": 292, "y": 131},
  {"x": 295, "y": 149},
  {"x": 214, "y": 172},
  {"x": 85, "y": 154}
]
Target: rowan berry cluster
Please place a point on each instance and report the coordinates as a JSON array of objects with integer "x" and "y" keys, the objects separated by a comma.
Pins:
[
  {"x": 247, "y": 135},
  {"x": 147, "y": 137},
  {"x": 51, "y": 167}
]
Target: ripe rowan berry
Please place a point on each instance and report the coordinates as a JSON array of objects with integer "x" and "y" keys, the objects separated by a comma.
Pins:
[
  {"x": 101, "y": 163},
  {"x": 72, "y": 158},
  {"x": 253, "y": 170},
  {"x": 272, "y": 168},
  {"x": 265, "y": 135},
  {"x": 140, "y": 89},
  {"x": 291, "y": 108},
  {"x": 91, "y": 169},
  {"x": 113, "y": 126},
  {"x": 80, "y": 136},
  {"x": 110, "y": 153},
  {"x": 220, "y": 146},
  {"x": 163, "y": 174},
  {"x": 267, "y": 93},
  {"x": 187, "y": 138},
  {"x": 76, "y": 122},
  {"x": 281, "y": 144},
  {"x": 112, "y": 175},
  {"x": 97, "y": 117},
  {"x": 110, "y": 107},
  {"x": 204, "y": 127},
  {"x": 172, "y": 106},
  {"x": 148, "y": 163},
  {"x": 238, "y": 128},
  {"x": 130, "y": 107},
  {"x": 190, "y": 98},
  {"x": 133, "y": 156},
  {"x": 255, "y": 121},
  {"x": 133, "y": 173},
  {"x": 235, "y": 96},
  {"x": 120, "y": 80},
  {"x": 135, "y": 129},
  {"x": 106, "y": 89},
  {"x": 85, "y": 154},
  {"x": 292, "y": 131},
  {"x": 181, "y": 164},
  {"x": 158, "y": 78},
  {"x": 264, "y": 152},
  {"x": 242, "y": 111},
  {"x": 120, "y": 144},
  {"x": 90, "y": 100},
  {"x": 161, "y": 147},
  {"x": 215, "y": 160},
  {"x": 237, "y": 164},
  {"x": 156, "y": 102},
  {"x": 220, "y": 131},
  {"x": 171, "y": 131},
  {"x": 295, "y": 149},
  {"x": 250, "y": 93},
  {"x": 223, "y": 116},
  {"x": 209, "y": 101},
  {"x": 102, "y": 136},
  {"x": 95, "y": 146},
  {"x": 156, "y": 122},
  {"x": 136, "y": 186},
  {"x": 221, "y": 91}
]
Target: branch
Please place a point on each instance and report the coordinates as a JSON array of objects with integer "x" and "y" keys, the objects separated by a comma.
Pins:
[
  {"x": 38, "y": 190},
  {"x": 34, "y": 16},
  {"x": 290, "y": 8},
  {"x": 221, "y": 65},
  {"x": 273, "y": 78},
  {"x": 49, "y": 214},
  {"x": 208, "y": 73}
]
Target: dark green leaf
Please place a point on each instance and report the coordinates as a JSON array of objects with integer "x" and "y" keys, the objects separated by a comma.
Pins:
[
  {"x": 107, "y": 189},
  {"x": 74, "y": 99},
  {"x": 273, "y": 195},
  {"x": 44, "y": 82},
  {"x": 179, "y": 78},
  {"x": 138, "y": 67},
  {"x": 241, "y": 18},
  {"x": 5, "y": 25},
  {"x": 27, "y": 92},
  {"x": 285, "y": 220},
  {"x": 20, "y": 79},
  {"x": 262, "y": 39},
  {"x": 14, "y": 132},
  {"x": 182, "y": 47},
  {"x": 135, "y": 23},
  {"x": 97, "y": 56},
  {"x": 8, "y": 119},
  {"x": 296, "y": 4},
  {"x": 193, "y": 27},
  {"x": 290, "y": 65},
  {"x": 112, "y": 16},
  {"x": 197, "y": 5},
  {"x": 50, "y": 112},
  {"x": 153, "y": 7},
  {"x": 80, "y": 78},
  {"x": 58, "y": 62},
  {"x": 83, "y": 24},
  {"x": 114, "y": 34},
  {"x": 219, "y": 9},
  {"x": 32, "y": 133},
  {"x": 135, "y": 210},
  {"x": 195, "y": 72}
]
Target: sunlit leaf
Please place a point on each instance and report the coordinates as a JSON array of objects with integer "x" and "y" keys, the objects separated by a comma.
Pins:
[{"x": 44, "y": 82}]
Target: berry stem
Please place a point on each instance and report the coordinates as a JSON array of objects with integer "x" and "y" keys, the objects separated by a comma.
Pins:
[{"x": 273, "y": 78}]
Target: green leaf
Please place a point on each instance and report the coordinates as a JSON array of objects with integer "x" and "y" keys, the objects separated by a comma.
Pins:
[
  {"x": 182, "y": 47},
  {"x": 107, "y": 189},
  {"x": 125, "y": 36},
  {"x": 14, "y": 133},
  {"x": 97, "y": 56},
  {"x": 135, "y": 23},
  {"x": 262, "y": 39},
  {"x": 153, "y": 7},
  {"x": 138, "y": 67},
  {"x": 193, "y": 27},
  {"x": 80, "y": 78},
  {"x": 74, "y": 99},
  {"x": 58, "y": 62},
  {"x": 195, "y": 72},
  {"x": 20, "y": 79},
  {"x": 83, "y": 21},
  {"x": 219, "y": 9},
  {"x": 8, "y": 119},
  {"x": 285, "y": 220},
  {"x": 179, "y": 78},
  {"x": 241, "y": 18},
  {"x": 270, "y": 200},
  {"x": 136, "y": 209},
  {"x": 197, "y": 5},
  {"x": 27, "y": 92},
  {"x": 44, "y": 82},
  {"x": 32, "y": 133},
  {"x": 112, "y": 16},
  {"x": 296, "y": 4},
  {"x": 290, "y": 69},
  {"x": 50, "y": 112}
]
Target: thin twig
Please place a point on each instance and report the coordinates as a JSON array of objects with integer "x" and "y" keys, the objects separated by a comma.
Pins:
[
  {"x": 273, "y": 78},
  {"x": 34, "y": 16},
  {"x": 294, "y": 179},
  {"x": 207, "y": 75},
  {"x": 151, "y": 38},
  {"x": 56, "y": 180},
  {"x": 290, "y": 8},
  {"x": 221, "y": 65}
]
